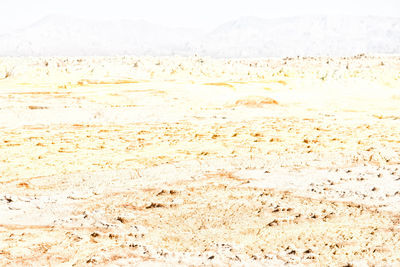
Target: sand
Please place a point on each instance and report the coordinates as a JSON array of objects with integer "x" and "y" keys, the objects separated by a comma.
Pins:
[{"x": 198, "y": 161}]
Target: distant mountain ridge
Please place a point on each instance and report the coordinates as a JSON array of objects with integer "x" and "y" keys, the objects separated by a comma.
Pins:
[
  {"x": 244, "y": 37},
  {"x": 311, "y": 35}
]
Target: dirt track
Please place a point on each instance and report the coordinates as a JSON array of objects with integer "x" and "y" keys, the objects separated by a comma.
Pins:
[{"x": 200, "y": 161}]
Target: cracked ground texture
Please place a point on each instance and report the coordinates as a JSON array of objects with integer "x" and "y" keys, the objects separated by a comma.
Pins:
[{"x": 189, "y": 161}]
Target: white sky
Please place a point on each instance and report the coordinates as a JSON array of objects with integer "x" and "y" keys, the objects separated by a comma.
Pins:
[{"x": 205, "y": 14}]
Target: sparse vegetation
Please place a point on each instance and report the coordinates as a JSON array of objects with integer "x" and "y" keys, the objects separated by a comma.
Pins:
[{"x": 8, "y": 72}]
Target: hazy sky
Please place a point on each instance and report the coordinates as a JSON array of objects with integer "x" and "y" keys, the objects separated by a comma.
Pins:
[{"x": 203, "y": 14}]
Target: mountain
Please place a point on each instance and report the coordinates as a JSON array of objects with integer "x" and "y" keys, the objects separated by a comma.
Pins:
[
  {"x": 68, "y": 36},
  {"x": 245, "y": 37},
  {"x": 312, "y": 35}
]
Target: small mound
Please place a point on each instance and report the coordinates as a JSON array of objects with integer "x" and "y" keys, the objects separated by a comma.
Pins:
[{"x": 256, "y": 101}]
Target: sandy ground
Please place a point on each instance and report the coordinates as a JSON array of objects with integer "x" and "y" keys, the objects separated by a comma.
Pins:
[{"x": 196, "y": 161}]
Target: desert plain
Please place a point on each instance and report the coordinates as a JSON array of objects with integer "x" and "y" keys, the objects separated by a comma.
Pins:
[{"x": 156, "y": 161}]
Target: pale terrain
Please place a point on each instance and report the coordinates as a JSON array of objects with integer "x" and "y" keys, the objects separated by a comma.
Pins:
[{"x": 198, "y": 161}]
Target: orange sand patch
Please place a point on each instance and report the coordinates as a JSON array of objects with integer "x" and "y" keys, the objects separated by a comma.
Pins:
[
  {"x": 88, "y": 82},
  {"x": 221, "y": 84},
  {"x": 256, "y": 101}
]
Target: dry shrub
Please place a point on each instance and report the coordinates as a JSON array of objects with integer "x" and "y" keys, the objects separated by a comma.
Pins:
[{"x": 9, "y": 72}]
